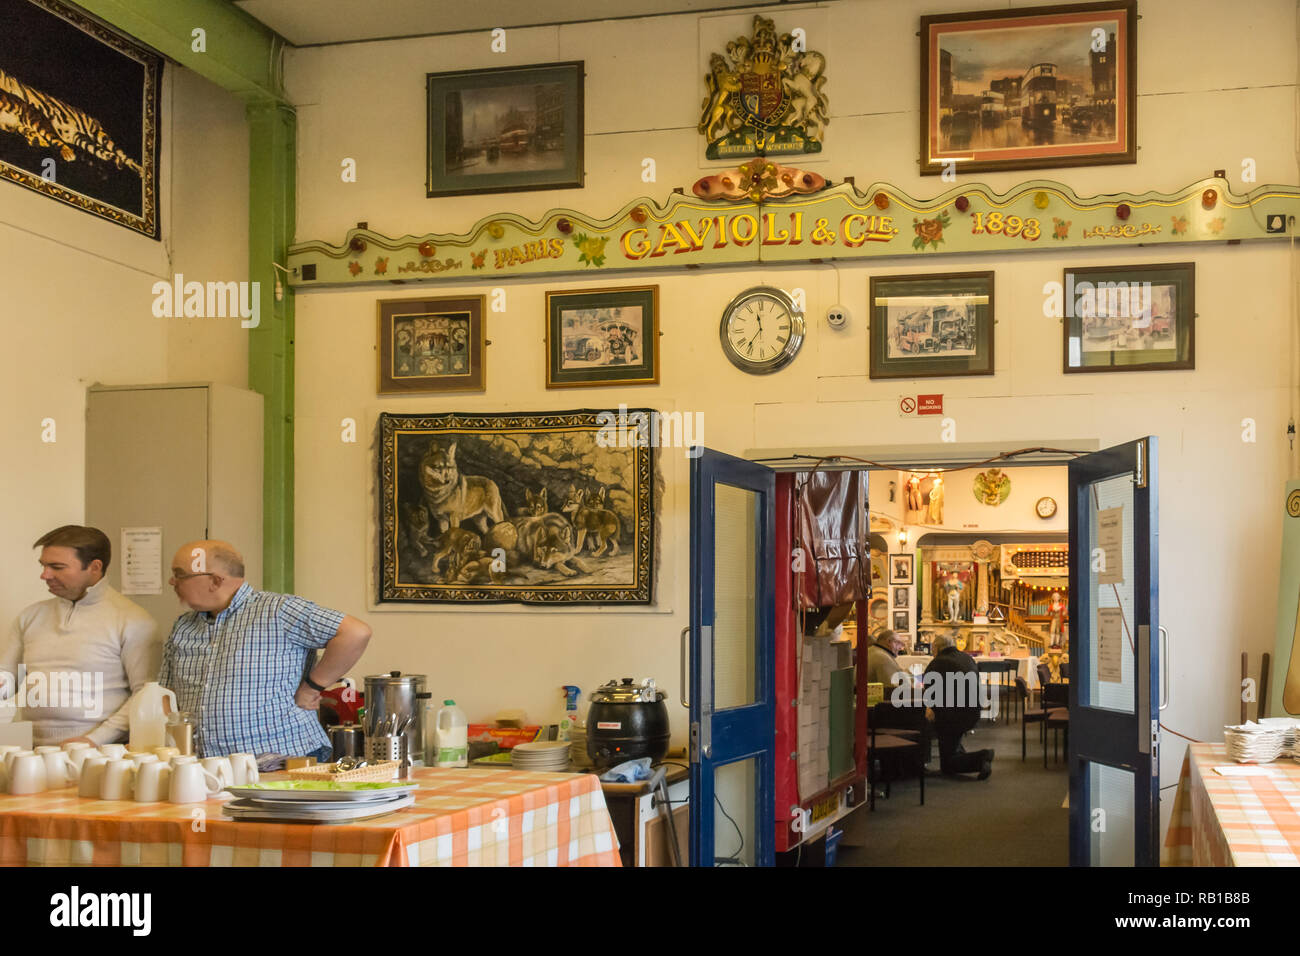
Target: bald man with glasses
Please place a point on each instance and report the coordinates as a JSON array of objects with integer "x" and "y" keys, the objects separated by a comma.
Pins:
[{"x": 238, "y": 660}]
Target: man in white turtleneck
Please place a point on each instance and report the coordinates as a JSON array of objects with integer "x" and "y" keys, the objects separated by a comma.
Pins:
[{"x": 85, "y": 650}]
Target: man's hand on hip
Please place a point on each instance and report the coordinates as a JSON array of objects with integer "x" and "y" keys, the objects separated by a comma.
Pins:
[{"x": 306, "y": 698}]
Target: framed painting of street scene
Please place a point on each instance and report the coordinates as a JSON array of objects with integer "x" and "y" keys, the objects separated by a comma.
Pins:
[
  {"x": 79, "y": 113},
  {"x": 530, "y": 508},
  {"x": 432, "y": 345},
  {"x": 927, "y": 326},
  {"x": 505, "y": 129},
  {"x": 1130, "y": 318},
  {"x": 1029, "y": 88},
  {"x": 602, "y": 337}
]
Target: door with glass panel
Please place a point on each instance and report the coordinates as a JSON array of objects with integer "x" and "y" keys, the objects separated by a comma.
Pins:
[
  {"x": 1114, "y": 663},
  {"x": 733, "y": 724}
]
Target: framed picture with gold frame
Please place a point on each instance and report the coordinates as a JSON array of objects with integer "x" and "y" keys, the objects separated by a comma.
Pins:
[
  {"x": 432, "y": 345},
  {"x": 602, "y": 337}
]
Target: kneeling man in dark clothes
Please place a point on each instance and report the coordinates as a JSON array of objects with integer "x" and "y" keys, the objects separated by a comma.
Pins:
[{"x": 952, "y": 682}]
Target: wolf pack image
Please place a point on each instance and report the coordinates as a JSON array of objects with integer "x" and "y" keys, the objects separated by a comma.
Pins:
[{"x": 534, "y": 510}]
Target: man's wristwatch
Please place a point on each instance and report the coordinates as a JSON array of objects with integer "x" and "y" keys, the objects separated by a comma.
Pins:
[{"x": 306, "y": 679}]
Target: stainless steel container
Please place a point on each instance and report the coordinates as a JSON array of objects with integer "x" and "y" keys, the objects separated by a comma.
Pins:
[
  {"x": 394, "y": 695},
  {"x": 180, "y": 732},
  {"x": 379, "y": 749},
  {"x": 347, "y": 740}
]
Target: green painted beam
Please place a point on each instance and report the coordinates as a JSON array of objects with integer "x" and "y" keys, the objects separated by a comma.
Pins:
[
  {"x": 242, "y": 56},
  {"x": 272, "y": 143}
]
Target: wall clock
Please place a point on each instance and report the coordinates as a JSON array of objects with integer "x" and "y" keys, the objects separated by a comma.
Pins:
[
  {"x": 761, "y": 330},
  {"x": 1045, "y": 507}
]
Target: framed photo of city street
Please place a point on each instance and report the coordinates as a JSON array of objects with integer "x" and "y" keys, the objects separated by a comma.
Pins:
[
  {"x": 1138, "y": 318},
  {"x": 602, "y": 337},
  {"x": 1029, "y": 88},
  {"x": 79, "y": 113},
  {"x": 931, "y": 326},
  {"x": 505, "y": 130},
  {"x": 432, "y": 345}
]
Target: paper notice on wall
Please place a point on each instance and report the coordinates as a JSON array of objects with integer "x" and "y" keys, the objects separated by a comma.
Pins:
[
  {"x": 141, "y": 558},
  {"x": 1110, "y": 645},
  {"x": 1110, "y": 542}
]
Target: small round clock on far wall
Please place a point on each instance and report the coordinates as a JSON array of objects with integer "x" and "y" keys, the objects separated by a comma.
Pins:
[
  {"x": 762, "y": 330},
  {"x": 1046, "y": 507}
]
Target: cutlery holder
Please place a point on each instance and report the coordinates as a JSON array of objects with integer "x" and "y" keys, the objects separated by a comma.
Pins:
[{"x": 380, "y": 749}]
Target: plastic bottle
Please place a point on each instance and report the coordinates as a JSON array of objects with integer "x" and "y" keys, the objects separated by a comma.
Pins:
[
  {"x": 148, "y": 720},
  {"x": 570, "y": 718},
  {"x": 451, "y": 736}
]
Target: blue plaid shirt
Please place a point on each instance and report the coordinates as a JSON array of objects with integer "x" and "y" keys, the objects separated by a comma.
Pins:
[{"x": 237, "y": 672}]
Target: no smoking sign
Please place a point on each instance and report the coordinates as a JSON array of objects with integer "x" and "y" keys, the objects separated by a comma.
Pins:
[{"x": 911, "y": 406}]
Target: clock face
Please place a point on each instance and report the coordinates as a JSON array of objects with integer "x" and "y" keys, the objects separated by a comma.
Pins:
[
  {"x": 761, "y": 330},
  {"x": 1046, "y": 507}
]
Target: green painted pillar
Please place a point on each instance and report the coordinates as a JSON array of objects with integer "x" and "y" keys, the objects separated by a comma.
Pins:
[{"x": 272, "y": 142}]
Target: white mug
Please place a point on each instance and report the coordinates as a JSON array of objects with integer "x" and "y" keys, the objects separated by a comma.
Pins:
[
  {"x": 47, "y": 749},
  {"x": 81, "y": 754},
  {"x": 192, "y": 783},
  {"x": 13, "y": 755},
  {"x": 244, "y": 767},
  {"x": 119, "y": 780},
  {"x": 139, "y": 759},
  {"x": 183, "y": 758},
  {"x": 27, "y": 774},
  {"x": 60, "y": 771},
  {"x": 165, "y": 754},
  {"x": 152, "y": 781},
  {"x": 113, "y": 751},
  {"x": 92, "y": 775},
  {"x": 220, "y": 768},
  {"x": 73, "y": 745}
]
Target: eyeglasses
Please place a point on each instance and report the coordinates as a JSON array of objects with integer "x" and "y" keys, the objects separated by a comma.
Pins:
[{"x": 184, "y": 576}]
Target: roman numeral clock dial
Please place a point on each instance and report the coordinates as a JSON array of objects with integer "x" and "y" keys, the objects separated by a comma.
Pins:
[{"x": 761, "y": 330}]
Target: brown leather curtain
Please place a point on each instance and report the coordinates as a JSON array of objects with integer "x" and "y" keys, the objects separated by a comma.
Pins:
[{"x": 832, "y": 525}]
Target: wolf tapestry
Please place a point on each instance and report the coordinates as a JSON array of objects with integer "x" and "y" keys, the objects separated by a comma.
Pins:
[{"x": 533, "y": 508}]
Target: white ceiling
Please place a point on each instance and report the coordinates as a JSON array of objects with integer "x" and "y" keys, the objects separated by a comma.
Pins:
[{"x": 304, "y": 22}]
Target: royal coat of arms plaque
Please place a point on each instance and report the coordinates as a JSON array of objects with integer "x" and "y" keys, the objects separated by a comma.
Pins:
[{"x": 765, "y": 96}]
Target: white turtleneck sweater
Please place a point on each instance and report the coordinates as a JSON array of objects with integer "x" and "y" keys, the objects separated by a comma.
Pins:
[{"x": 68, "y": 648}]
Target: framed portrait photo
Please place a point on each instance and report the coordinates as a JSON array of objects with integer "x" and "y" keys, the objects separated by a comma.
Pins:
[
  {"x": 505, "y": 130},
  {"x": 901, "y": 598},
  {"x": 602, "y": 337},
  {"x": 432, "y": 345},
  {"x": 1130, "y": 318},
  {"x": 930, "y": 326},
  {"x": 1029, "y": 87},
  {"x": 902, "y": 622},
  {"x": 900, "y": 569}
]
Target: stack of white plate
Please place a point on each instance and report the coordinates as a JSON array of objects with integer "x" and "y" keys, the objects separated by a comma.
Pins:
[
  {"x": 317, "y": 802},
  {"x": 1254, "y": 743},
  {"x": 1288, "y": 724},
  {"x": 542, "y": 755}
]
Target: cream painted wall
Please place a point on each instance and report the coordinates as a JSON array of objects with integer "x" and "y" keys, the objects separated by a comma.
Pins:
[
  {"x": 1208, "y": 98},
  {"x": 76, "y": 309}
]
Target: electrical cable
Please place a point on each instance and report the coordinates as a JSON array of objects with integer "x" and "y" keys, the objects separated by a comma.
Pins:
[{"x": 735, "y": 857}]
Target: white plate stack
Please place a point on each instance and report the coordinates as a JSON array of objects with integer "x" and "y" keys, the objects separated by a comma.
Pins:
[
  {"x": 1255, "y": 743},
  {"x": 541, "y": 755}
]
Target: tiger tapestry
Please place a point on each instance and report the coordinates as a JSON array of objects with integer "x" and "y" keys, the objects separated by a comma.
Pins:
[{"x": 79, "y": 112}]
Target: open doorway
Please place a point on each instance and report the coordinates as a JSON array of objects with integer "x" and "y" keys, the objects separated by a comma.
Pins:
[{"x": 794, "y": 668}]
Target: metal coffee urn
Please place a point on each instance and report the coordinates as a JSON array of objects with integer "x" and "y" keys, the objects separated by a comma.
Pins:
[{"x": 394, "y": 695}]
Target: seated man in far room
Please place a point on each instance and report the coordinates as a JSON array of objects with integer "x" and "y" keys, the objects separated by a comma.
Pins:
[
  {"x": 952, "y": 682},
  {"x": 882, "y": 663},
  {"x": 239, "y": 660}
]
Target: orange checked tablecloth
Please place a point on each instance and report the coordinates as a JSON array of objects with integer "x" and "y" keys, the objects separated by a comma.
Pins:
[
  {"x": 1234, "y": 820},
  {"x": 461, "y": 817}
]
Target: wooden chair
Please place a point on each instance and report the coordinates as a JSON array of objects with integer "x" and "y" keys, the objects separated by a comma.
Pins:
[
  {"x": 1029, "y": 715},
  {"x": 897, "y": 757},
  {"x": 1058, "y": 721},
  {"x": 1010, "y": 672}
]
